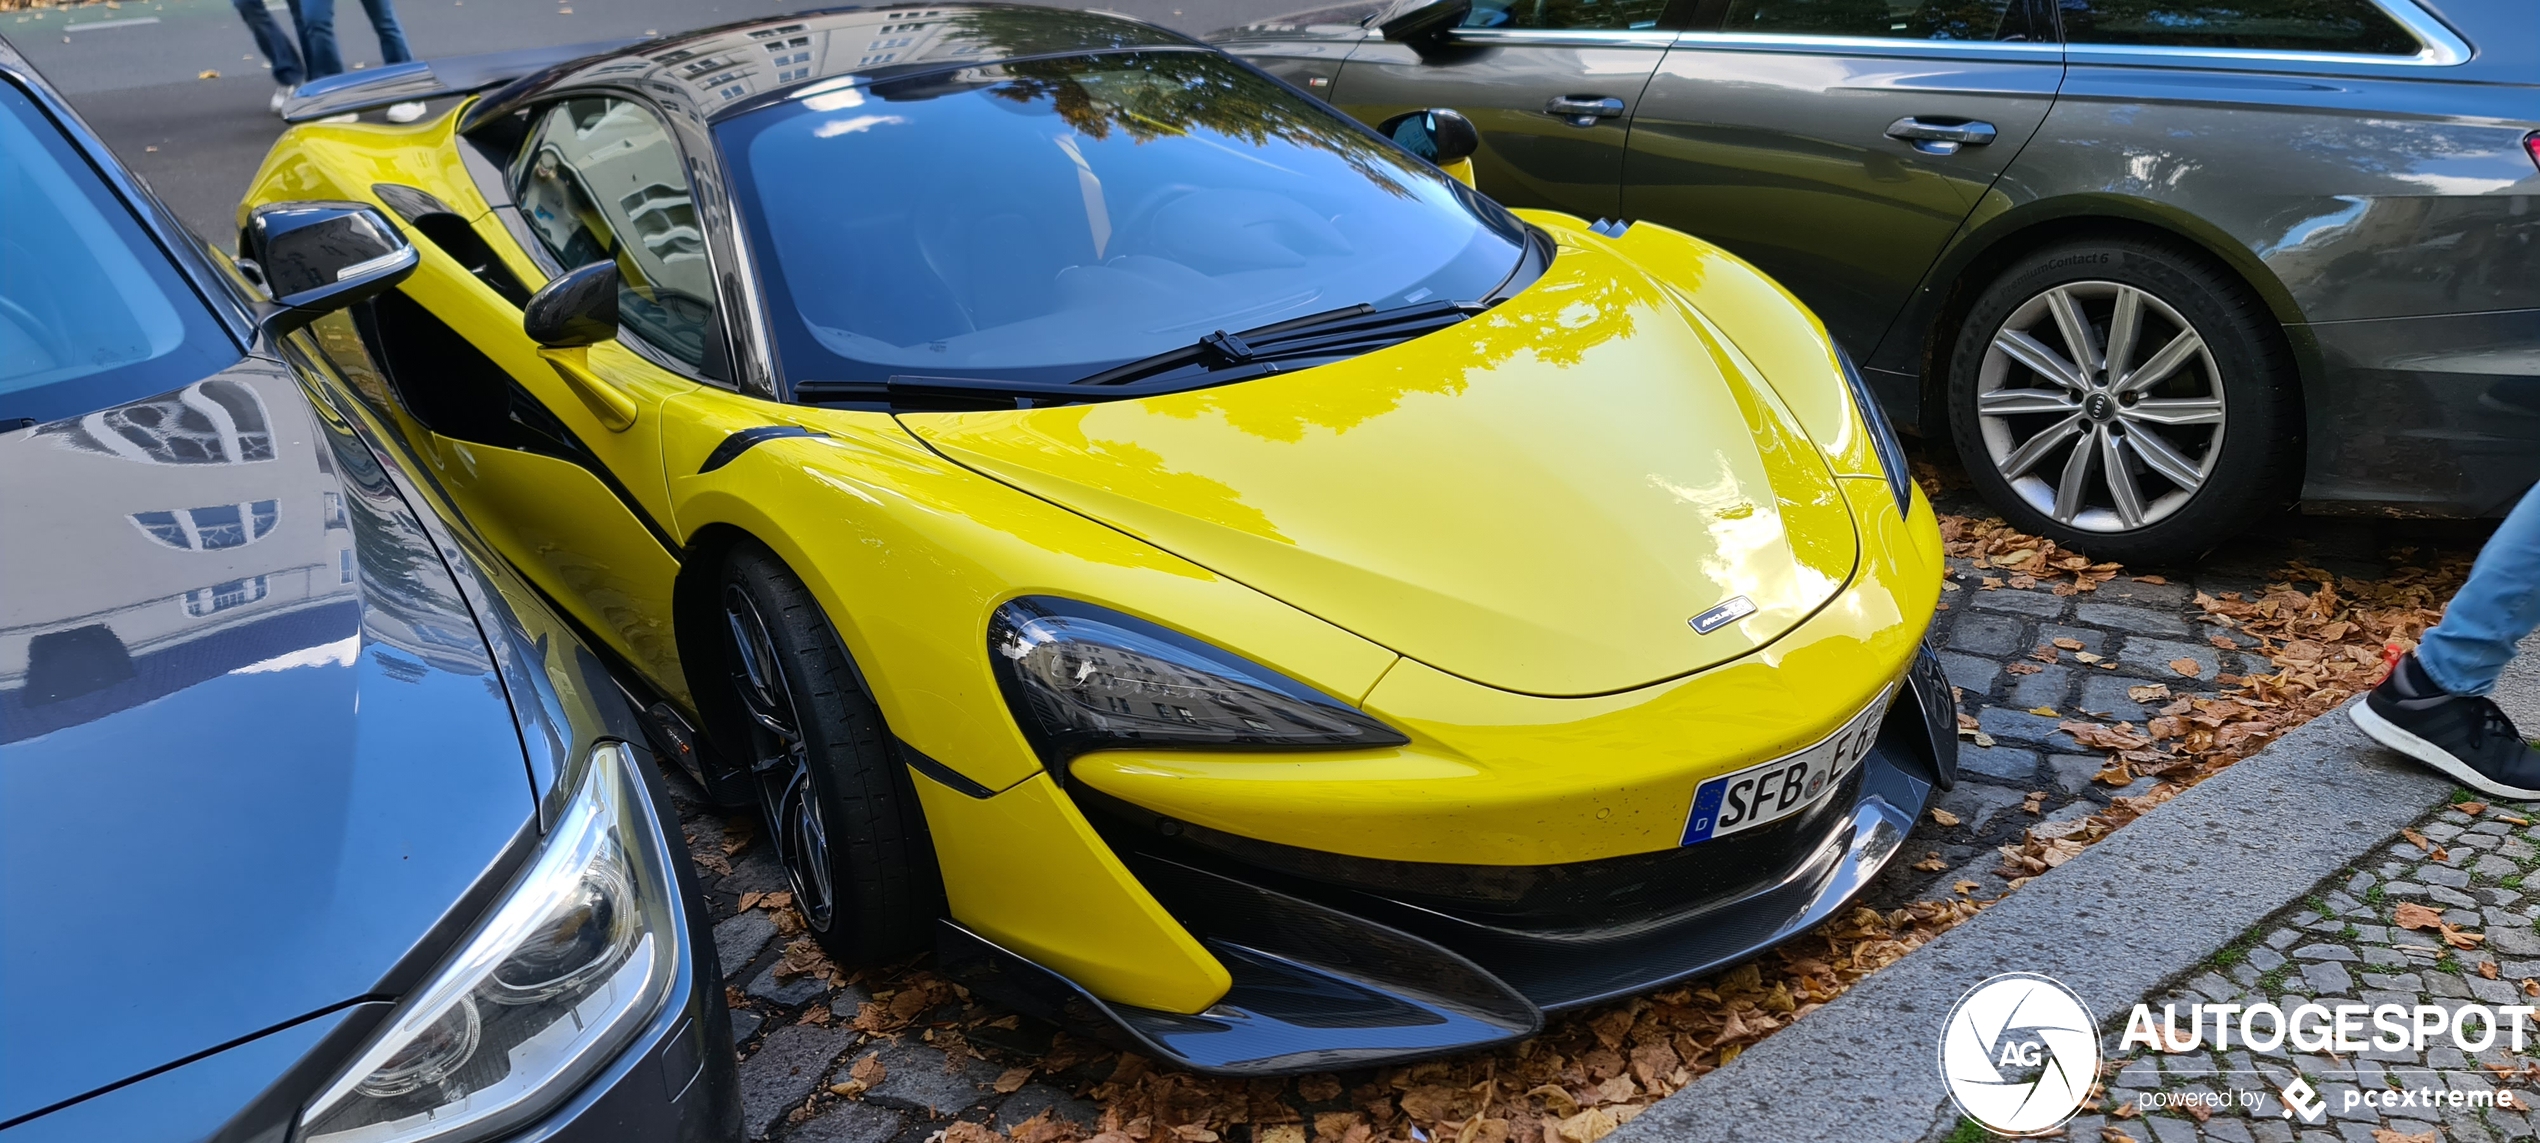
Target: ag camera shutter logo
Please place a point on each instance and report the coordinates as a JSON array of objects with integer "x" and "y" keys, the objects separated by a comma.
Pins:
[{"x": 2019, "y": 1053}]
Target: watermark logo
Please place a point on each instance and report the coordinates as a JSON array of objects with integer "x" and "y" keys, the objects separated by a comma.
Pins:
[
  {"x": 2019, "y": 1053},
  {"x": 2299, "y": 1098}
]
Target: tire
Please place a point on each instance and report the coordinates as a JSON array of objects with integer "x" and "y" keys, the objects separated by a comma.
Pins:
[
  {"x": 837, "y": 804},
  {"x": 2207, "y": 435}
]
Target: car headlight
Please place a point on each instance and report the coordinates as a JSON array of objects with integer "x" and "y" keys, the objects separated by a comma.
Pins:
[
  {"x": 1083, "y": 678},
  {"x": 579, "y": 954},
  {"x": 1891, "y": 451}
]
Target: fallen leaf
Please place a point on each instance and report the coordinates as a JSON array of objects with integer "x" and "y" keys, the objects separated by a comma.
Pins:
[
  {"x": 1968, "y": 889},
  {"x": 2487, "y": 968},
  {"x": 1944, "y": 817},
  {"x": 2417, "y": 839},
  {"x": 2411, "y": 915},
  {"x": 2044, "y": 712},
  {"x": 1931, "y": 863},
  {"x": 2087, "y": 657},
  {"x": 2187, "y": 667},
  {"x": 2023, "y": 668},
  {"x": 207, "y": 74},
  {"x": 750, "y": 900},
  {"x": 2530, "y": 987},
  {"x": 1588, "y": 1126},
  {"x": 1012, "y": 1079},
  {"x": 2387, "y": 1135},
  {"x": 2069, "y": 644},
  {"x": 2148, "y": 692},
  {"x": 2222, "y": 641},
  {"x": 2471, "y": 808},
  {"x": 2150, "y": 579}
]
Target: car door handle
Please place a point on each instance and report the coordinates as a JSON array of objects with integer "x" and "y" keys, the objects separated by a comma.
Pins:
[
  {"x": 1582, "y": 110},
  {"x": 1935, "y": 137}
]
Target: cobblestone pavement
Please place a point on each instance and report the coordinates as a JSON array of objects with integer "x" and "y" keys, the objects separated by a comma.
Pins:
[
  {"x": 792, "y": 1033},
  {"x": 2000, "y": 648},
  {"x": 2341, "y": 945}
]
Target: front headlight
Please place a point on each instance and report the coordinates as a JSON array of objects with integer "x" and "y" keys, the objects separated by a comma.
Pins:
[
  {"x": 1891, "y": 451},
  {"x": 1082, "y": 678},
  {"x": 579, "y": 954}
]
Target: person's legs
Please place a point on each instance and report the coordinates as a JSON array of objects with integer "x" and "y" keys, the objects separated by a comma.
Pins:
[
  {"x": 2433, "y": 707},
  {"x": 392, "y": 38},
  {"x": 271, "y": 41},
  {"x": 317, "y": 37},
  {"x": 2493, "y": 611}
]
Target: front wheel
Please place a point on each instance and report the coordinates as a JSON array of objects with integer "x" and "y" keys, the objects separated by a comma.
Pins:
[
  {"x": 2124, "y": 398},
  {"x": 837, "y": 804}
]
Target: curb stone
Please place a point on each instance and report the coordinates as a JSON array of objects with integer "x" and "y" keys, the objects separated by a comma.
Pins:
[{"x": 2147, "y": 906}]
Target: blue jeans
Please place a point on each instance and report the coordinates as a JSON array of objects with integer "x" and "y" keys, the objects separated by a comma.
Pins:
[
  {"x": 317, "y": 34},
  {"x": 2497, "y": 607},
  {"x": 271, "y": 41}
]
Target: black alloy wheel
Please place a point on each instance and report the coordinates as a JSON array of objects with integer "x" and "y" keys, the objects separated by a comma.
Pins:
[{"x": 838, "y": 806}]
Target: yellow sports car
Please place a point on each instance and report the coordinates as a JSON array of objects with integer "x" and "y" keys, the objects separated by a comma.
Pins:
[{"x": 1202, "y": 568}]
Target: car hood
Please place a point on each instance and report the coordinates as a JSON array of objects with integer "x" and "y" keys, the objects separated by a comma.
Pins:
[
  {"x": 1540, "y": 499},
  {"x": 252, "y": 747}
]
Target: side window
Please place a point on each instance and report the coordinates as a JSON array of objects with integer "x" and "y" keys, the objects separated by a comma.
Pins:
[
  {"x": 1568, "y": 15},
  {"x": 2358, "y": 26},
  {"x": 1991, "y": 21},
  {"x": 601, "y": 179}
]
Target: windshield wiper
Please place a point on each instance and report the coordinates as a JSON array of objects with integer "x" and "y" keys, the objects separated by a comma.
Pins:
[
  {"x": 1327, "y": 336},
  {"x": 1220, "y": 358}
]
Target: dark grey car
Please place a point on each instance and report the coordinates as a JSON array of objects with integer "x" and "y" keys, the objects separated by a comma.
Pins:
[{"x": 2155, "y": 266}]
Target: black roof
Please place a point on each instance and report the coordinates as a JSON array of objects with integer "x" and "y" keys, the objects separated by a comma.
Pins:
[{"x": 725, "y": 70}]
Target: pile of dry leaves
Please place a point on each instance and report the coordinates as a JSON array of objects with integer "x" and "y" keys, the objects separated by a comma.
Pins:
[
  {"x": 1581, "y": 1078},
  {"x": 1591, "y": 1072}
]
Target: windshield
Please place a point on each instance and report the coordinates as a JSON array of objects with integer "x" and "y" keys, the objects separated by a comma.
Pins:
[
  {"x": 1044, "y": 219},
  {"x": 91, "y": 313}
]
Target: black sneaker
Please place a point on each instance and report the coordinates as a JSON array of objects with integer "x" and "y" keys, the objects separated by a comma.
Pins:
[{"x": 2464, "y": 736}]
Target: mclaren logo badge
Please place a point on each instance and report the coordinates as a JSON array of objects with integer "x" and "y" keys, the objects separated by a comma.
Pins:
[{"x": 1738, "y": 607}]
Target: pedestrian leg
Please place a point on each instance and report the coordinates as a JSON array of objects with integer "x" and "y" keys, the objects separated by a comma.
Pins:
[
  {"x": 2493, "y": 611},
  {"x": 271, "y": 40},
  {"x": 392, "y": 38},
  {"x": 317, "y": 37}
]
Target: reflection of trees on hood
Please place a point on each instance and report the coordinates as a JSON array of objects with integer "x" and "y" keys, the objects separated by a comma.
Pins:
[{"x": 1166, "y": 94}]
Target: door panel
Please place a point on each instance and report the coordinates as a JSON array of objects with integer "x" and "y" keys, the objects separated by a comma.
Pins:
[
  {"x": 1778, "y": 148},
  {"x": 1503, "y": 81},
  {"x": 556, "y": 453}
]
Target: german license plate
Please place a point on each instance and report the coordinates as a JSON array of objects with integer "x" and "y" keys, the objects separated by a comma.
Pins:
[{"x": 1762, "y": 794}]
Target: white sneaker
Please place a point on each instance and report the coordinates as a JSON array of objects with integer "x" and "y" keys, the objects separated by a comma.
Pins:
[
  {"x": 405, "y": 112},
  {"x": 275, "y": 104}
]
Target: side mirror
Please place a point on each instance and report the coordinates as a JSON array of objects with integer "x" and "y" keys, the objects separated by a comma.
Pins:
[
  {"x": 314, "y": 258},
  {"x": 1442, "y": 135},
  {"x": 576, "y": 308},
  {"x": 1423, "y": 23}
]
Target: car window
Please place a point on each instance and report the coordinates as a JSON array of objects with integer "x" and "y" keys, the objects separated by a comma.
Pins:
[
  {"x": 2358, "y": 26},
  {"x": 601, "y": 179},
  {"x": 1597, "y": 15},
  {"x": 1997, "y": 21},
  {"x": 1044, "y": 219},
  {"x": 91, "y": 312}
]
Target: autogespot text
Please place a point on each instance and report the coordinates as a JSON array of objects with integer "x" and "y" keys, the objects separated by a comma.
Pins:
[{"x": 2342, "y": 1028}]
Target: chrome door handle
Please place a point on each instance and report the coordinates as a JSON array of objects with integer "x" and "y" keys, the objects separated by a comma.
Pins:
[
  {"x": 1941, "y": 137},
  {"x": 1582, "y": 110}
]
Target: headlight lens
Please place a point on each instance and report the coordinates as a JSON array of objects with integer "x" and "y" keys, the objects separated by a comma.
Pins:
[
  {"x": 563, "y": 972},
  {"x": 1891, "y": 451},
  {"x": 1082, "y": 678}
]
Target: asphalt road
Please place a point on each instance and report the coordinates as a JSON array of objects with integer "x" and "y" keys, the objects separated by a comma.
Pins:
[{"x": 132, "y": 68}]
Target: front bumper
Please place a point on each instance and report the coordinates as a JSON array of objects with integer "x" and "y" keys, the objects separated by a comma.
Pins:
[{"x": 1340, "y": 962}]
